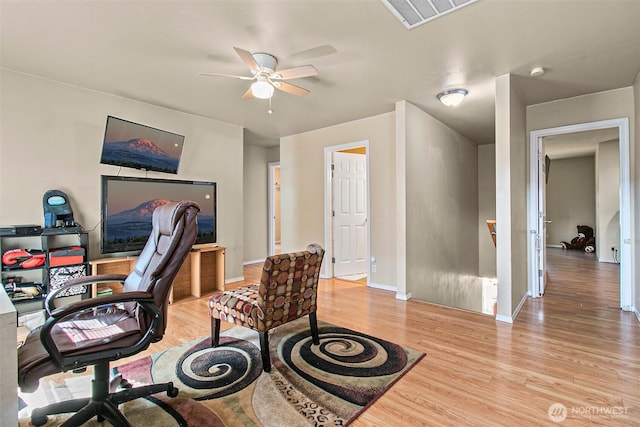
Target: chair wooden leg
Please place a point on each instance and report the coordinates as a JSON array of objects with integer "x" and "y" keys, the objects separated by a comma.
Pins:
[
  {"x": 264, "y": 350},
  {"x": 215, "y": 332},
  {"x": 313, "y": 323}
]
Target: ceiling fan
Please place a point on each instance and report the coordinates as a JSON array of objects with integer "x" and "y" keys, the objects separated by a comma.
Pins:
[{"x": 263, "y": 68}]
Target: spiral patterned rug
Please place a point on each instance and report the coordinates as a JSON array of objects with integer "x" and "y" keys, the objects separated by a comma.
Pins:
[{"x": 325, "y": 385}]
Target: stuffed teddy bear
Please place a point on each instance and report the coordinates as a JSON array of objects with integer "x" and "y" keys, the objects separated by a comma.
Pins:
[{"x": 584, "y": 240}]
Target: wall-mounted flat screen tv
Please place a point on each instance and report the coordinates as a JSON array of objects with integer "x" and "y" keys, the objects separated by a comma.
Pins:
[
  {"x": 128, "y": 204},
  {"x": 137, "y": 146}
]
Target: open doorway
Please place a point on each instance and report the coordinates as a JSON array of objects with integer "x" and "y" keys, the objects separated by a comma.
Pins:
[
  {"x": 536, "y": 207},
  {"x": 346, "y": 211},
  {"x": 274, "y": 208},
  {"x": 583, "y": 188}
]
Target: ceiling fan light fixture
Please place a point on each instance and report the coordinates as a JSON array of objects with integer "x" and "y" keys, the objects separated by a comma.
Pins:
[
  {"x": 262, "y": 89},
  {"x": 452, "y": 97}
]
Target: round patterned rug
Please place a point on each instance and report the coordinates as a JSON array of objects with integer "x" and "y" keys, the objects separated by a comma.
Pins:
[{"x": 327, "y": 384}]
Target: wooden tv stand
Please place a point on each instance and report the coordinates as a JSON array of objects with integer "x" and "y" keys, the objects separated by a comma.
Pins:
[{"x": 202, "y": 272}]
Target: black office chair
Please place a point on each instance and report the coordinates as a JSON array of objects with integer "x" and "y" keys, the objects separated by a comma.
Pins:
[{"x": 99, "y": 330}]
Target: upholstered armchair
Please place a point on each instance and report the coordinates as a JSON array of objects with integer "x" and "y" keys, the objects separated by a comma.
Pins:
[
  {"x": 99, "y": 330},
  {"x": 287, "y": 291}
]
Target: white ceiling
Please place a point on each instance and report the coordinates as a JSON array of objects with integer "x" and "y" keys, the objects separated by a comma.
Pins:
[{"x": 367, "y": 60}]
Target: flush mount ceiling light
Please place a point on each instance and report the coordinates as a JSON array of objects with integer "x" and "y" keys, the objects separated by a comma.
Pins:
[
  {"x": 537, "y": 71},
  {"x": 452, "y": 97},
  {"x": 261, "y": 88}
]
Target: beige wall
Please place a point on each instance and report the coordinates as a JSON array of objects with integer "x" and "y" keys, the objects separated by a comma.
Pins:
[
  {"x": 486, "y": 209},
  {"x": 570, "y": 198},
  {"x": 51, "y": 138},
  {"x": 441, "y": 173},
  {"x": 607, "y": 200},
  {"x": 302, "y": 187},
  {"x": 511, "y": 204},
  {"x": 256, "y": 203}
]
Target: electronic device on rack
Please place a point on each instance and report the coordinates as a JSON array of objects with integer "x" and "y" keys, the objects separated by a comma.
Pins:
[{"x": 57, "y": 210}]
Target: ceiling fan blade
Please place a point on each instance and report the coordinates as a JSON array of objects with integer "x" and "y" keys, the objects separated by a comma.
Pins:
[
  {"x": 227, "y": 75},
  {"x": 292, "y": 89},
  {"x": 248, "y": 59},
  {"x": 248, "y": 94},
  {"x": 295, "y": 73}
]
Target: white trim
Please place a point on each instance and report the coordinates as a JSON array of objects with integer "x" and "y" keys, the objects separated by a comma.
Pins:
[
  {"x": 519, "y": 307},
  {"x": 555, "y": 246},
  {"x": 512, "y": 318},
  {"x": 382, "y": 287},
  {"x": 404, "y": 297},
  {"x": 234, "y": 279},
  {"x": 327, "y": 268},
  {"x": 637, "y": 314},
  {"x": 503, "y": 318},
  {"x": 255, "y": 261},
  {"x": 626, "y": 249}
]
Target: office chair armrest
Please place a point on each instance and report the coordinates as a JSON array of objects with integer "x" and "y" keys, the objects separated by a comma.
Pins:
[
  {"x": 145, "y": 302},
  {"x": 79, "y": 281},
  {"x": 74, "y": 307}
]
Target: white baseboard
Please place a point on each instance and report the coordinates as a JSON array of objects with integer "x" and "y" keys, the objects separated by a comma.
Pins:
[
  {"x": 512, "y": 318},
  {"x": 403, "y": 297},
  {"x": 637, "y": 315},
  {"x": 554, "y": 246},
  {"x": 381, "y": 286},
  {"x": 503, "y": 318},
  {"x": 234, "y": 279},
  {"x": 519, "y": 307},
  {"x": 255, "y": 261}
]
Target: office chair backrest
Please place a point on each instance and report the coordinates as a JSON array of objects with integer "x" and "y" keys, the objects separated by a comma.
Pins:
[{"x": 173, "y": 234}]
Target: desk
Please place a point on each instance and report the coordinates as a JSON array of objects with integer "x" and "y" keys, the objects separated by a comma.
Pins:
[{"x": 8, "y": 362}]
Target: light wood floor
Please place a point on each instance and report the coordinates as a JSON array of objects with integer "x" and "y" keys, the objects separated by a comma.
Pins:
[{"x": 574, "y": 347}]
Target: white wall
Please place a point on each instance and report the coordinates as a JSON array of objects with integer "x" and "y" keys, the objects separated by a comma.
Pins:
[
  {"x": 51, "y": 138},
  {"x": 570, "y": 198},
  {"x": 486, "y": 209},
  {"x": 441, "y": 172},
  {"x": 608, "y": 200}
]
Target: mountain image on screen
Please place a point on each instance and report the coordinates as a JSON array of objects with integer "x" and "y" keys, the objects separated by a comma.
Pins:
[
  {"x": 138, "y": 153},
  {"x": 133, "y": 226}
]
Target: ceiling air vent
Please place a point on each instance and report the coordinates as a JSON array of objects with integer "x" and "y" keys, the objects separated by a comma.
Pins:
[{"x": 415, "y": 12}]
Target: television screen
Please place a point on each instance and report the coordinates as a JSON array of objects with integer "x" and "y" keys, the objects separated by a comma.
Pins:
[
  {"x": 137, "y": 146},
  {"x": 128, "y": 204}
]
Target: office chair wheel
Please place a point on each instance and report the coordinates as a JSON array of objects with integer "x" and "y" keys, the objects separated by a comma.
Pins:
[
  {"x": 172, "y": 391},
  {"x": 38, "y": 420}
]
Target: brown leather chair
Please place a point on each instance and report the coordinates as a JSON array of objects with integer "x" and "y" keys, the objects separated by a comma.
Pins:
[
  {"x": 287, "y": 291},
  {"x": 96, "y": 331}
]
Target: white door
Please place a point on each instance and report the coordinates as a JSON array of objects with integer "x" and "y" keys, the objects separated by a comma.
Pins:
[
  {"x": 542, "y": 221},
  {"x": 349, "y": 213}
]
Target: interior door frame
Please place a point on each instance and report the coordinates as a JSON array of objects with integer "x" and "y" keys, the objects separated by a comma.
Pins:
[
  {"x": 534, "y": 216},
  {"x": 327, "y": 267},
  {"x": 271, "y": 183}
]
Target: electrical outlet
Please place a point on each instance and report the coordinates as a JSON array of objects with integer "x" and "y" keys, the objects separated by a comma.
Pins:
[{"x": 373, "y": 268}]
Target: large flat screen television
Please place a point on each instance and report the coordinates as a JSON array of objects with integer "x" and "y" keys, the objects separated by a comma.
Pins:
[
  {"x": 137, "y": 146},
  {"x": 128, "y": 204}
]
